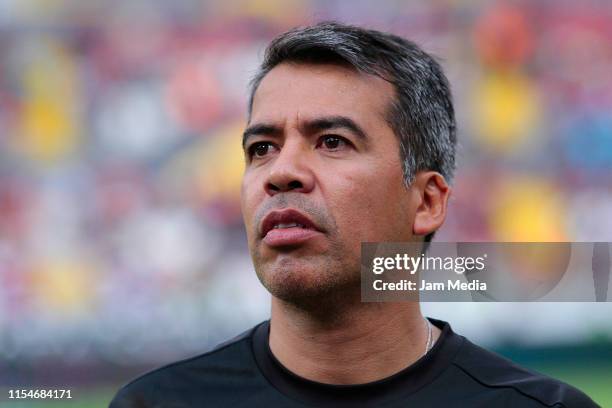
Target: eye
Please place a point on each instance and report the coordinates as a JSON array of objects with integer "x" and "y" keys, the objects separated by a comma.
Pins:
[
  {"x": 333, "y": 142},
  {"x": 259, "y": 149}
]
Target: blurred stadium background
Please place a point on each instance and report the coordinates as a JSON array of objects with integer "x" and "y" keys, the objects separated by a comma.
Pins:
[{"x": 121, "y": 240}]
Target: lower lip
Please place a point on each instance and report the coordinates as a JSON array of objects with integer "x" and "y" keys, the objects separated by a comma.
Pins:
[{"x": 280, "y": 237}]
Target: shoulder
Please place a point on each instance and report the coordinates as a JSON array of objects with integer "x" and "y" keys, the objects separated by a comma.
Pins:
[
  {"x": 228, "y": 362},
  {"x": 495, "y": 372}
]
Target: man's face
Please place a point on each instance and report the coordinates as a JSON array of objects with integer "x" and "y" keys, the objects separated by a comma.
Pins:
[{"x": 323, "y": 174}]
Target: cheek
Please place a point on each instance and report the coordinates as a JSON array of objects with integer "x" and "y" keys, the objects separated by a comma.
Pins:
[
  {"x": 375, "y": 209},
  {"x": 248, "y": 204},
  {"x": 244, "y": 199}
]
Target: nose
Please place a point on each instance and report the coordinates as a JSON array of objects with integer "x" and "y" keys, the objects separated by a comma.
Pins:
[{"x": 290, "y": 171}]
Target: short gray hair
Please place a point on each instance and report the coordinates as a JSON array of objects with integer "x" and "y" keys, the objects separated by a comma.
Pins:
[{"x": 422, "y": 114}]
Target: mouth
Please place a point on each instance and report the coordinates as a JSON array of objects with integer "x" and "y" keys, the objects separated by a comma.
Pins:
[{"x": 287, "y": 228}]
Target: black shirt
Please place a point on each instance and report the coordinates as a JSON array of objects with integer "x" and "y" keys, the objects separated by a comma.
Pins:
[{"x": 243, "y": 372}]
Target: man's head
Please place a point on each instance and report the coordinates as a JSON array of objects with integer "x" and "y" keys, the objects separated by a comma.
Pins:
[{"x": 350, "y": 139}]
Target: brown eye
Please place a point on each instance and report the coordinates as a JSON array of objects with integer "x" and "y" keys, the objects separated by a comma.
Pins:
[
  {"x": 333, "y": 142},
  {"x": 260, "y": 149}
]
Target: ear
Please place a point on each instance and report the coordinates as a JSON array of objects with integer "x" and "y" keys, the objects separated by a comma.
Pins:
[{"x": 433, "y": 191}]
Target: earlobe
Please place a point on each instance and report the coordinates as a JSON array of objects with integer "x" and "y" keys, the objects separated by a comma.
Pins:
[{"x": 431, "y": 212}]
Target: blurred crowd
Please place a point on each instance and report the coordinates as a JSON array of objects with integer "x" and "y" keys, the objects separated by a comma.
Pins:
[{"x": 120, "y": 160}]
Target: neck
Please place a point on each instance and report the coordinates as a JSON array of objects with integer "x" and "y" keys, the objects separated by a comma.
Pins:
[{"x": 355, "y": 344}]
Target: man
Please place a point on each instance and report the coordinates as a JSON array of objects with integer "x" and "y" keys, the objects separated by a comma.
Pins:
[{"x": 350, "y": 139}]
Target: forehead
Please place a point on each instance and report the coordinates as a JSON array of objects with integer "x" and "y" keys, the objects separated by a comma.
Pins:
[{"x": 311, "y": 90}]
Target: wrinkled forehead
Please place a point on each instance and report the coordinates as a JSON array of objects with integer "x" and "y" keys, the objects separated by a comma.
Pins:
[{"x": 312, "y": 90}]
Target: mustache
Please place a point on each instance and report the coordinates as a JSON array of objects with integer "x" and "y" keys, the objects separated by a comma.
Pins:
[{"x": 319, "y": 215}]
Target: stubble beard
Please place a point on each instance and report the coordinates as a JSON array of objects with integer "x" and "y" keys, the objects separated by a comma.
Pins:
[
  {"x": 313, "y": 280},
  {"x": 321, "y": 284}
]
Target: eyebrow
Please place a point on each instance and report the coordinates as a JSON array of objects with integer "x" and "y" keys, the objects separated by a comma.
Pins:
[
  {"x": 260, "y": 129},
  {"x": 335, "y": 122},
  {"x": 312, "y": 126}
]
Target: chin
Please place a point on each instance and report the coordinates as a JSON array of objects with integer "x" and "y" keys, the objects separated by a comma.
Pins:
[{"x": 304, "y": 282}]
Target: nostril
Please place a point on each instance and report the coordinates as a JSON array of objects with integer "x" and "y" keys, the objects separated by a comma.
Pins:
[
  {"x": 292, "y": 185},
  {"x": 295, "y": 185},
  {"x": 273, "y": 187}
]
